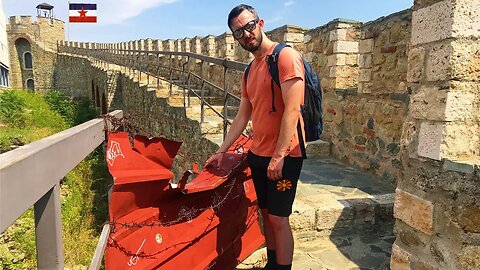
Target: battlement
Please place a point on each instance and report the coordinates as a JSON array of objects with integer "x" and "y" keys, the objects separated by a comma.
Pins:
[
  {"x": 29, "y": 20},
  {"x": 20, "y": 20}
]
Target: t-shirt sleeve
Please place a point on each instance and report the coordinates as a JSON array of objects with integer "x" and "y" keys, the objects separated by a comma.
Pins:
[{"x": 290, "y": 65}]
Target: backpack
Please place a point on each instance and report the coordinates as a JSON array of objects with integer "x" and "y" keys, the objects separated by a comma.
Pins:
[{"x": 312, "y": 109}]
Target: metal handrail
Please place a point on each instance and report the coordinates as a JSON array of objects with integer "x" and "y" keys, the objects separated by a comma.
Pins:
[{"x": 133, "y": 59}]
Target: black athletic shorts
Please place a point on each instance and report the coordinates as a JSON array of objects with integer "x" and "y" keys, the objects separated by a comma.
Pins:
[{"x": 275, "y": 195}]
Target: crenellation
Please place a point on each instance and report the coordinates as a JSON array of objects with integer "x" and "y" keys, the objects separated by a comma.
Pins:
[
  {"x": 196, "y": 45},
  {"x": 157, "y": 45},
  {"x": 225, "y": 46},
  {"x": 186, "y": 44},
  {"x": 208, "y": 46},
  {"x": 178, "y": 45},
  {"x": 168, "y": 45},
  {"x": 149, "y": 44}
]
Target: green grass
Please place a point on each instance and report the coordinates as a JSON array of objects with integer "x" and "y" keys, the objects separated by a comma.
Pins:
[{"x": 26, "y": 117}]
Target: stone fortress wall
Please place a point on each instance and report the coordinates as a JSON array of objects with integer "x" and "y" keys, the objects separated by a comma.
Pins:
[{"x": 39, "y": 38}]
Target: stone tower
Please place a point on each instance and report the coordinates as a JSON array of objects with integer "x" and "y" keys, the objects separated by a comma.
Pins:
[{"x": 32, "y": 49}]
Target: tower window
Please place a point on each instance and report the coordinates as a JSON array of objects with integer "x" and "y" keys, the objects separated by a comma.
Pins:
[
  {"x": 27, "y": 60},
  {"x": 30, "y": 85}
]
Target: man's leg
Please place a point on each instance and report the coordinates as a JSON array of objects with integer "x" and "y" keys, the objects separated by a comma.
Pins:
[
  {"x": 258, "y": 166},
  {"x": 280, "y": 197},
  {"x": 283, "y": 239},
  {"x": 267, "y": 228},
  {"x": 269, "y": 241}
]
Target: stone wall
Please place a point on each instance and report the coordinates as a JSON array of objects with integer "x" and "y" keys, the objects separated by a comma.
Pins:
[
  {"x": 364, "y": 127},
  {"x": 41, "y": 37},
  {"x": 437, "y": 203},
  {"x": 74, "y": 76},
  {"x": 289, "y": 34}
]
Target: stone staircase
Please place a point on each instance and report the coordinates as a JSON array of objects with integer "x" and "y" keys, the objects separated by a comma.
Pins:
[{"x": 342, "y": 218}]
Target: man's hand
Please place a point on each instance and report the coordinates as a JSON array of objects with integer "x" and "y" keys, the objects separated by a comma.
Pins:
[
  {"x": 215, "y": 159},
  {"x": 274, "y": 170}
]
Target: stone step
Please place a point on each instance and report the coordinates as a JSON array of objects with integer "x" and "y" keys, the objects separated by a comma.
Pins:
[
  {"x": 318, "y": 149},
  {"x": 195, "y": 111},
  {"x": 215, "y": 138},
  {"x": 164, "y": 91},
  {"x": 210, "y": 126},
  {"x": 333, "y": 197},
  {"x": 179, "y": 101}
]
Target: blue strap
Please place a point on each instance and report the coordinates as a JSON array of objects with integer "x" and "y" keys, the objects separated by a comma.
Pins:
[
  {"x": 272, "y": 61},
  {"x": 247, "y": 70}
]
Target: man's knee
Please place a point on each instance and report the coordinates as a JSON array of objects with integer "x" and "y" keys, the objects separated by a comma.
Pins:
[{"x": 278, "y": 223}]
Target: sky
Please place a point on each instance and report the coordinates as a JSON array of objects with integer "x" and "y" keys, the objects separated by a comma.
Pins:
[{"x": 124, "y": 20}]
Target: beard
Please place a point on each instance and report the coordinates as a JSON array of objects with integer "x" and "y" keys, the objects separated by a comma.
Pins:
[{"x": 254, "y": 46}]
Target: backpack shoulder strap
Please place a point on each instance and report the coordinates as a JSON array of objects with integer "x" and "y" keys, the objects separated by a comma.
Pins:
[
  {"x": 247, "y": 70},
  {"x": 272, "y": 61}
]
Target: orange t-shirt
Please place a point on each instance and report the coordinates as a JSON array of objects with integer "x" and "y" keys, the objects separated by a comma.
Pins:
[{"x": 266, "y": 124}]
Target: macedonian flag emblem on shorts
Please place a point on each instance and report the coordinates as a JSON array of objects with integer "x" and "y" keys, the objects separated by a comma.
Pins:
[{"x": 283, "y": 185}]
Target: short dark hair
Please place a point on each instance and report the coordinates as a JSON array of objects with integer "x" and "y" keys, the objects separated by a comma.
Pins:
[{"x": 239, "y": 9}]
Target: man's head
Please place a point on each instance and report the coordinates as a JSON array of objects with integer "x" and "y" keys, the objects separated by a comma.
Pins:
[{"x": 246, "y": 27}]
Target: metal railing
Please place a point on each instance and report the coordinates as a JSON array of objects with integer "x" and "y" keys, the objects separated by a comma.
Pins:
[
  {"x": 31, "y": 174},
  {"x": 172, "y": 67}
]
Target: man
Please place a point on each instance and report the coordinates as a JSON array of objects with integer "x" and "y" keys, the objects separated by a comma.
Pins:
[{"x": 275, "y": 157}]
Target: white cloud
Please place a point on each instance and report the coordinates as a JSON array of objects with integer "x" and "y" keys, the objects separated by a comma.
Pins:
[
  {"x": 118, "y": 11},
  {"x": 289, "y": 3},
  {"x": 275, "y": 19}
]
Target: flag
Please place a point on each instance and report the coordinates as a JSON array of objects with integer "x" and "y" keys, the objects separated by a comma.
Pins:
[{"x": 82, "y": 13}]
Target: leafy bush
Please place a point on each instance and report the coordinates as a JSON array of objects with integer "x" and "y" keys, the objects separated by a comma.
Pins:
[
  {"x": 12, "y": 108},
  {"x": 62, "y": 104},
  {"x": 74, "y": 111},
  {"x": 84, "y": 110},
  {"x": 26, "y": 117}
]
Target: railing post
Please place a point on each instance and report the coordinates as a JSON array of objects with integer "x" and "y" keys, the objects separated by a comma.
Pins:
[
  {"x": 171, "y": 75},
  {"x": 201, "y": 92},
  {"x": 158, "y": 71},
  {"x": 147, "y": 71},
  {"x": 138, "y": 66},
  {"x": 202, "y": 103},
  {"x": 185, "y": 78},
  {"x": 225, "y": 102},
  {"x": 48, "y": 230},
  {"x": 189, "y": 88}
]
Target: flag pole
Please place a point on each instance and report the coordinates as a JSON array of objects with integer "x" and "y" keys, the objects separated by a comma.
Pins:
[{"x": 68, "y": 22}]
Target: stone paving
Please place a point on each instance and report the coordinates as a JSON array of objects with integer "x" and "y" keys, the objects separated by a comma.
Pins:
[{"x": 342, "y": 220}]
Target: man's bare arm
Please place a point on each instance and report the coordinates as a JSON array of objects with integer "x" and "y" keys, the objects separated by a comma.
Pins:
[
  {"x": 236, "y": 129},
  {"x": 292, "y": 99}
]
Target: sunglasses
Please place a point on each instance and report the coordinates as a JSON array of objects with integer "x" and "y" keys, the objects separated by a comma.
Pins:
[{"x": 250, "y": 26}]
